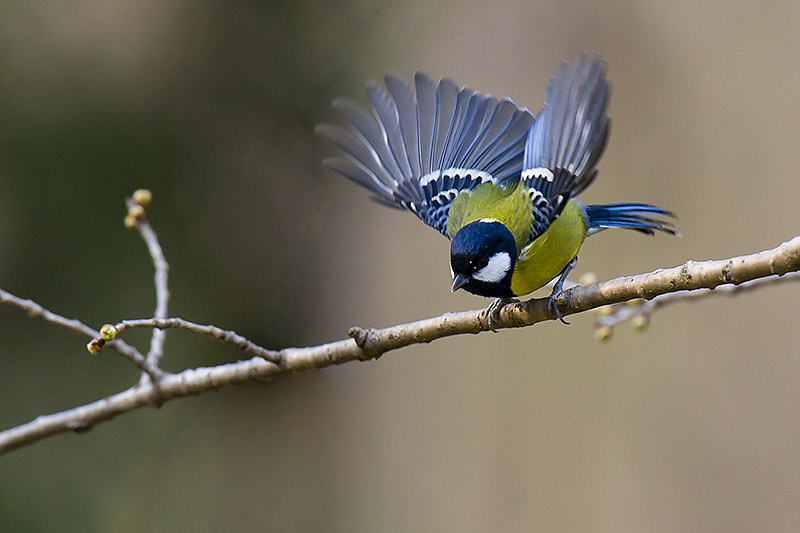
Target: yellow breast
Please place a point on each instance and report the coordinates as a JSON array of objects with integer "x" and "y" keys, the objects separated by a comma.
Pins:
[{"x": 545, "y": 258}]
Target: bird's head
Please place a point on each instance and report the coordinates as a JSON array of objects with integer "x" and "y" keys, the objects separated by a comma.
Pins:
[{"x": 482, "y": 258}]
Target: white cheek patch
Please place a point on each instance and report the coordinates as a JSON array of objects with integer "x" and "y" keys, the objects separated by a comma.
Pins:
[{"x": 495, "y": 270}]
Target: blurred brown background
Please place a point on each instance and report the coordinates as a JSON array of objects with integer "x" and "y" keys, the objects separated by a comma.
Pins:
[{"x": 692, "y": 425}]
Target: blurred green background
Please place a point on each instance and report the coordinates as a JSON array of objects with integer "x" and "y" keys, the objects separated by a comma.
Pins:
[{"x": 692, "y": 425}]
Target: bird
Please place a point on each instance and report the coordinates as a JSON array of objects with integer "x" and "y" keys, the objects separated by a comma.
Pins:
[{"x": 497, "y": 181}]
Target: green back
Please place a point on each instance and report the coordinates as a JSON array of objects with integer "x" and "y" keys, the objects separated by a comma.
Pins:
[{"x": 510, "y": 205}]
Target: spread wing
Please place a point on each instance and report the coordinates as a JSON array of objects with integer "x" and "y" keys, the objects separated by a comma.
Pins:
[
  {"x": 419, "y": 148},
  {"x": 567, "y": 139}
]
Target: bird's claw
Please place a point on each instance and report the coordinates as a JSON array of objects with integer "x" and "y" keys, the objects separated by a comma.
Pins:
[
  {"x": 492, "y": 313},
  {"x": 552, "y": 306},
  {"x": 558, "y": 289}
]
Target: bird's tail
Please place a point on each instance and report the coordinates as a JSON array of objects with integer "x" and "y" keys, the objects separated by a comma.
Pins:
[{"x": 639, "y": 217}]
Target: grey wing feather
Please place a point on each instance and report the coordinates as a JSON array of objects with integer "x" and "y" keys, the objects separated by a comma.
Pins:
[
  {"x": 572, "y": 129},
  {"x": 452, "y": 133},
  {"x": 567, "y": 139},
  {"x": 426, "y": 119},
  {"x": 407, "y": 115},
  {"x": 446, "y": 100},
  {"x": 477, "y": 131},
  {"x": 420, "y": 148},
  {"x": 359, "y": 153},
  {"x": 387, "y": 116},
  {"x": 503, "y": 158},
  {"x": 497, "y": 125},
  {"x": 358, "y": 174},
  {"x": 371, "y": 135}
]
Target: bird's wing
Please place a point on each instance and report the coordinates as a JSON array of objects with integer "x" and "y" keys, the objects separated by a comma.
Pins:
[
  {"x": 567, "y": 139},
  {"x": 420, "y": 148}
]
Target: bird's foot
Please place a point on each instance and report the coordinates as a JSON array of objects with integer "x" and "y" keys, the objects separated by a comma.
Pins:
[
  {"x": 492, "y": 313},
  {"x": 558, "y": 289},
  {"x": 552, "y": 305}
]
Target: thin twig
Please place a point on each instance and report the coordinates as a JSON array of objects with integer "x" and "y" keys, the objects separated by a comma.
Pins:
[
  {"x": 648, "y": 307},
  {"x": 35, "y": 310},
  {"x": 161, "y": 278},
  {"x": 227, "y": 336},
  {"x": 367, "y": 343}
]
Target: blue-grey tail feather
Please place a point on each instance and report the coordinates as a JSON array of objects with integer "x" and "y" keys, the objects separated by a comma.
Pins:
[{"x": 638, "y": 217}]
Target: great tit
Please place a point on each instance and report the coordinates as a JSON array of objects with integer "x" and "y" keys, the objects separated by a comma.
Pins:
[{"x": 497, "y": 182}]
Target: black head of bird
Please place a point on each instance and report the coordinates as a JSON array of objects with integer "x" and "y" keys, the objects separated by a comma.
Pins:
[{"x": 482, "y": 258}]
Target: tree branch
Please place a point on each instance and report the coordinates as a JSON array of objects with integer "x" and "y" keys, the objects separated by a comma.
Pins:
[
  {"x": 161, "y": 277},
  {"x": 35, "y": 310},
  {"x": 616, "y": 313},
  {"x": 137, "y": 204},
  {"x": 230, "y": 337},
  {"x": 371, "y": 343}
]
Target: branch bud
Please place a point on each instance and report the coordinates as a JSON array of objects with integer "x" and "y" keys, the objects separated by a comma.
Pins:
[
  {"x": 143, "y": 197},
  {"x": 603, "y": 333},
  {"x": 108, "y": 332},
  {"x": 95, "y": 346},
  {"x": 136, "y": 211},
  {"x": 640, "y": 322}
]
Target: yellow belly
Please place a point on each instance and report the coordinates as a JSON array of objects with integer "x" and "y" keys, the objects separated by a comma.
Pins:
[{"x": 545, "y": 258}]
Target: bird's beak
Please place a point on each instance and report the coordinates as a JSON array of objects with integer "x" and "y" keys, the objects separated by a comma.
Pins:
[{"x": 459, "y": 281}]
